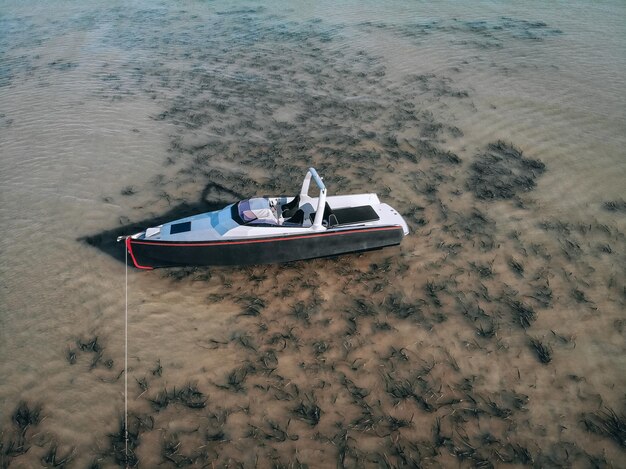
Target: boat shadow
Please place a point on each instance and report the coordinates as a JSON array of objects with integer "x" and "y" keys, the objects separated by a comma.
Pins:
[{"x": 214, "y": 197}]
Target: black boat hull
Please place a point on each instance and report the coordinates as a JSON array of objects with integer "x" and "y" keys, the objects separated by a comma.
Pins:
[{"x": 147, "y": 254}]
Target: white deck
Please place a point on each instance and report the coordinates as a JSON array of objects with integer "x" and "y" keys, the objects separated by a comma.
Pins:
[{"x": 219, "y": 225}]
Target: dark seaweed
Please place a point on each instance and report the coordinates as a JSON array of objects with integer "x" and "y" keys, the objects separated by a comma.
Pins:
[
  {"x": 25, "y": 417},
  {"x": 543, "y": 351},
  {"x": 615, "y": 206},
  {"x": 501, "y": 172},
  {"x": 308, "y": 411},
  {"x": 53, "y": 459},
  {"x": 607, "y": 423}
]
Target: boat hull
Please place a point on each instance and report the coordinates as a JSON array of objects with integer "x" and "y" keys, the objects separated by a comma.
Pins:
[{"x": 148, "y": 254}]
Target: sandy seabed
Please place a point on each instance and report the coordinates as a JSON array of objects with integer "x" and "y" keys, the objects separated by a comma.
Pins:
[{"x": 493, "y": 336}]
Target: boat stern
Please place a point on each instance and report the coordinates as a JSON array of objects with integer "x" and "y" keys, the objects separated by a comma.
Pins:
[{"x": 391, "y": 216}]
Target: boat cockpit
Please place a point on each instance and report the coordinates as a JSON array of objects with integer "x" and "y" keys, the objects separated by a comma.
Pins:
[
  {"x": 300, "y": 211},
  {"x": 273, "y": 211}
]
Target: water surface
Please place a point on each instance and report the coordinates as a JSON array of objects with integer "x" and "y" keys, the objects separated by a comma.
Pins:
[{"x": 494, "y": 334}]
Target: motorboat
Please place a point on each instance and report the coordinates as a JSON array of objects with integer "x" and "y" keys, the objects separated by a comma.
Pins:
[{"x": 266, "y": 230}]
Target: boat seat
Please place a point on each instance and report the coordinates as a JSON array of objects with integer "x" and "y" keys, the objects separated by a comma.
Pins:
[
  {"x": 289, "y": 210},
  {"x": 327, "y": 213},
  {"x": 348, "y": 215},
  {"x": 297, "y": 219}
]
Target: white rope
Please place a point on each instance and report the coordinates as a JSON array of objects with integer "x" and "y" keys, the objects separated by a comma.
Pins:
[{"x": 126, "y": 359}]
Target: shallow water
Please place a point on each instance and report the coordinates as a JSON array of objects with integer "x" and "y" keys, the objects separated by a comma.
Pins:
[{"x": 430, "y": 352}]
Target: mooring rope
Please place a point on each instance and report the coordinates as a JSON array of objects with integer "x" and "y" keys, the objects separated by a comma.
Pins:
[{"x": 126, "y": 360}]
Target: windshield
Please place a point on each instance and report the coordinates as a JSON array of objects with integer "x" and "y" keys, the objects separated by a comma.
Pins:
[{"x": 256, "y": 210}]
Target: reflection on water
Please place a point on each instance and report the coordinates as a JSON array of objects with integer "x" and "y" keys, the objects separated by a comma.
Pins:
[{"x": 494, "y": 334}]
